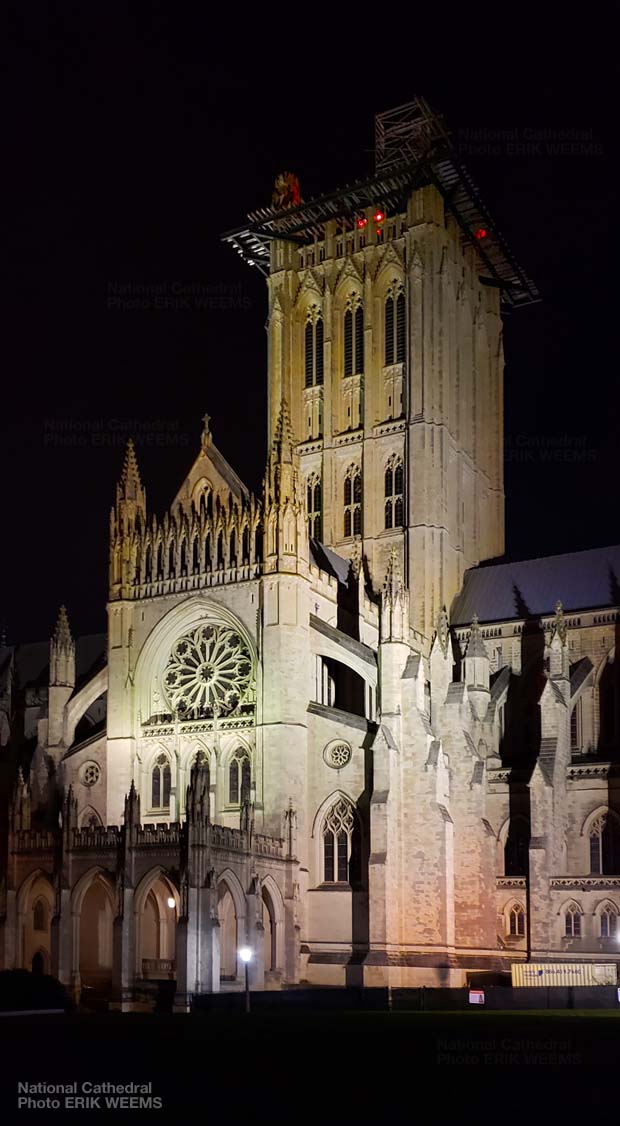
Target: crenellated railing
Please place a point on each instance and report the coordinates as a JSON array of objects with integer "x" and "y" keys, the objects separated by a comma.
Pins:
[
  {"x": 166, "y": 836},
  {"x": 96, "y": 837},
  {"x": 34, "y": 840},
  {"x": 268, "y": 846}
]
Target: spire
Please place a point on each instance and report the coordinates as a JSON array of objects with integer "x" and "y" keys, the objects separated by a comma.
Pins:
[
  {"x": 394, "y": 603},
  {"x": 20, "y": 803},
  {"x": 475, "y": 645},
  {"x": 283, "y": 437},
  {"x": 476, "y": 669},
  {"x": 285, "y": 517},
  {"x": 62, "y": 633},
  {"x": 559, "y": 627},
  {"x": 62, "y": 653},
  {"x": 197, "y": 799},
  {"x": 130, "y": 494},
  {"x": 130, "y": 482},
  {"x": 132, "y": 807},
  {"x": 393, "y": 585},
  {"x": 443, "y": 630},
  {"x": 206, "y": 437},
  {"x": 559, "y": 664}
]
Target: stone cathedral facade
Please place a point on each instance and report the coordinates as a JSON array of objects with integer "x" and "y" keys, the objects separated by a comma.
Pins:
[{"x": 317, "y": 725}]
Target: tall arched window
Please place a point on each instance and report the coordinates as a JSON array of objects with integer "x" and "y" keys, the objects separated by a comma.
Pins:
[
  {"x": 195, "y": 555},
  {"x": 314, "y": 503},
  {"x": 354, "y": 338},
  {"x": 604, "y": 846},
  {"x": 39, "y": 915},
  {"x": 239, "y": 778},
  {"x": 160, "y": 561},
  {"x": 148, "y": 564},
  {"x": 184, "y": 557},
  {"x": 353, "y": 502},
  {"x": 160, "y": 784},
  {"x": 394, "y": 500},
  {"x": 394, "y": 326},
  {"x": 245, "y": 545},
  {"x": 341, "y": 844},
  {"x": 171, "y": 560},
  {"x": 516, "y": 921},
  {"x": 313, "y": 348},
  {"x": 572, "y": 921},
  {"x": 608, "y": 921},
  {"x": 233, "y": 548},
  {"x": 220, "y": 551}
]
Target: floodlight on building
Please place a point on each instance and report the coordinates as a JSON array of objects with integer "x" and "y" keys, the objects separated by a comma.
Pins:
[{"x": 171, "y": 902}]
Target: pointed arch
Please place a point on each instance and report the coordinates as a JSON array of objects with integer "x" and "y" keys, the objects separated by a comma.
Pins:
[
  {"x": 274, "y": 907},
  {"x": 148, "y": 893}
]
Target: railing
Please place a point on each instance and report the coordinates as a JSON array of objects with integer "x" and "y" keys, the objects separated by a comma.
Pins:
[
  {"x": 96, "y": 837},
  {"x": 268, "y": 846},
  {"x": 34, "y": 840},
  {"x": 157, "y": 968},
  {"x": 150, "y": 835}
]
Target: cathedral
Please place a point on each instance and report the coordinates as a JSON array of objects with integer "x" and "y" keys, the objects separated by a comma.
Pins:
[{"x": 328, "y": 723}]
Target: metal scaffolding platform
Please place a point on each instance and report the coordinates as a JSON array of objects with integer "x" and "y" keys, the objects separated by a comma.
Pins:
[{"x": 412, "y": 148}]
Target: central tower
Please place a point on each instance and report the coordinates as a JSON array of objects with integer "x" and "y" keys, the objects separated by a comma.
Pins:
[{"x": 385, "y": 341}]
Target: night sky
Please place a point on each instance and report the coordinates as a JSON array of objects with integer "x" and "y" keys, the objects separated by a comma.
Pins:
[{"x": 133, "y": 144}]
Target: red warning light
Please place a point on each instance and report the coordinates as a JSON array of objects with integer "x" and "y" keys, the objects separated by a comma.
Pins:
[
  {"x": 362, "y": 222},
  {"x": 379, "y": 230},
  {"x": 481, "y": 233},
  {"x": 379, "y": 216}
]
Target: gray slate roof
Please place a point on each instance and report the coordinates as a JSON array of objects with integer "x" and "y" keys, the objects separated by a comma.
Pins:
[
  {"x": 581, "y": 580},
  {"x": 327, "y": 560}
]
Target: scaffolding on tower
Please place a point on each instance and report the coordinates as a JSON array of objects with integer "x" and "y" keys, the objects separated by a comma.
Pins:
[{"x": 413, "y": 148}]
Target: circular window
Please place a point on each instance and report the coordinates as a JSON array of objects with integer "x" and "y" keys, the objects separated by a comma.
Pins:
[
  {"x": 208, "y": 670},
  {"x": 90, "y": 773},
  {"x": 337, "y": 754}
]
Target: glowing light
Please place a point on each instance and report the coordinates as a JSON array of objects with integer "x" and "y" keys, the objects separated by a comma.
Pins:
[
  {"x": 481, "y": 233},
  {"x": 379, "y": 230},
  {"x": 379, "y": 216},
  {"x": 171, "y": 902},
  {"x": 245, "y": 953},
  {"x": 362, "y": 222}
]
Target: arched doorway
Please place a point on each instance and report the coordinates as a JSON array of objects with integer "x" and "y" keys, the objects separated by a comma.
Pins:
[
  {"x": 269, "y": 928},
  {"x": 40, "y": 963},
  {"x": 35, "y": 906},
  {"x": 96, "y": 930},
  {"x": 228, "y": 933},
  {"x": 157, "y": 912}
]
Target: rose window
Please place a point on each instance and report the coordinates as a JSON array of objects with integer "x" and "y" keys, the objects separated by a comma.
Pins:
[
  {"x": 337, "y": 755},
  {"x": 208, "y": 669},
  {"x": 90, "y": 774}
]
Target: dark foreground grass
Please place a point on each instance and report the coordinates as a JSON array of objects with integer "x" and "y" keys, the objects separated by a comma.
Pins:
[{"x": 306, "y": 1066}]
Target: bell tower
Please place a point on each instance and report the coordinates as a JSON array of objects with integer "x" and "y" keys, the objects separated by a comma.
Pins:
[{"x": 385, "y": 339}]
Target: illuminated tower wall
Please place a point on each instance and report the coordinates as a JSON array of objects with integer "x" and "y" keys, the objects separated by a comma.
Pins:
[{"x": 388, "y": 349}]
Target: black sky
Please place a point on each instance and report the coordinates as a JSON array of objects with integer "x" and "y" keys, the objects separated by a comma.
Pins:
[{"x": 134, "y": 142}]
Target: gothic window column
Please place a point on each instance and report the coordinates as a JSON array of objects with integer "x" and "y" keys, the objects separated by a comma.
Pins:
[{"x": 394, "y": 497}]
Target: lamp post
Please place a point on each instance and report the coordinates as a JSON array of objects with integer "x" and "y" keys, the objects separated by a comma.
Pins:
[{"x": 245, "y": 953}]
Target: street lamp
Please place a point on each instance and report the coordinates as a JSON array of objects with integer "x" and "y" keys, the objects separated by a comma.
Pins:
[{"x": 245, "y": 953}]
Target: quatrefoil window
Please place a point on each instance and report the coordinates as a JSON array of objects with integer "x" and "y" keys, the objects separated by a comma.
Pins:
[{"x": 208, "y": 670}]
